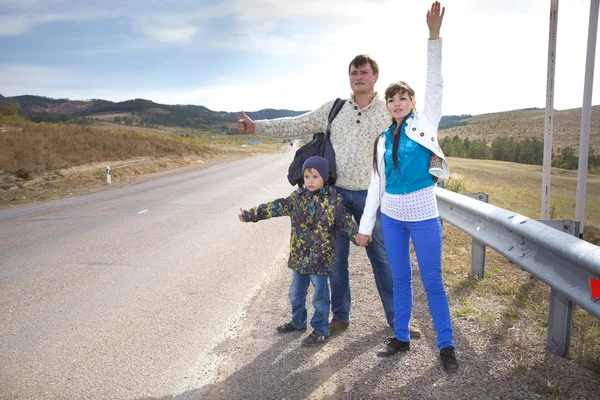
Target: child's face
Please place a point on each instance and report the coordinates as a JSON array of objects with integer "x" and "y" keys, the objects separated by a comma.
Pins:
[{"x": 312, "y": 179}]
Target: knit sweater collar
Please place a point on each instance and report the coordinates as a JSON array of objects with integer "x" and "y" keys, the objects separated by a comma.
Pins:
[{"x": 375, "y": 100}]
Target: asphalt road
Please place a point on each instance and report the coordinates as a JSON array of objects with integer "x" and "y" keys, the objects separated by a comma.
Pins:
[
  {"x": 125, "y": 293},
  {"x": 156, "y": 291}
]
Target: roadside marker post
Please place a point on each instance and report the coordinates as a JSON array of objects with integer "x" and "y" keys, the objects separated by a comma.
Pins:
[{"x": 108, "y": 179}]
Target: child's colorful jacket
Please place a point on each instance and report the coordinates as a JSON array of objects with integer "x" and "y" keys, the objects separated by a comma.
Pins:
[{"x": 315, "y": 219}]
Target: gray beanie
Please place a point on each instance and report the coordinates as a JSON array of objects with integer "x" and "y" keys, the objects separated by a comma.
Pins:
[{"x": 320, "y": 164}]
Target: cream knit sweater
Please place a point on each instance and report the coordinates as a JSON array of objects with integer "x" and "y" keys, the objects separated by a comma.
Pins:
[{"x": 353, "y": 135}]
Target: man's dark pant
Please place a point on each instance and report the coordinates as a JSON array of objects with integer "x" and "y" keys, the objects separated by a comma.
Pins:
[{"x": 354, "y": 201}]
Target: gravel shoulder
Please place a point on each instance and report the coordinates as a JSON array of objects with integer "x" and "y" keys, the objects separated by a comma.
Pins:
[{"x": 259, "y": 363}]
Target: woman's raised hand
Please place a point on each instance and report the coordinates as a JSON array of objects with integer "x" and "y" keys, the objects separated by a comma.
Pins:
[{"x": 434, "y": 20}]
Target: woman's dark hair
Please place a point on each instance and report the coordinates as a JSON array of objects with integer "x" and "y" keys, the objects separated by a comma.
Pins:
[{"x": 395, "y": 88}]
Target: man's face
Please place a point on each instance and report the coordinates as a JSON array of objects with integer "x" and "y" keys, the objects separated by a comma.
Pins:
[{"x": 362, "y": 79}]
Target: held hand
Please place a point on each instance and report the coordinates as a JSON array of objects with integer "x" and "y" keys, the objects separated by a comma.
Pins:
[
  {"x": 434, "y": 20},
  {"x": 363, "y": 240},
  {"x": 241, "y": 215},
  {"x": 245, "y": 124}
]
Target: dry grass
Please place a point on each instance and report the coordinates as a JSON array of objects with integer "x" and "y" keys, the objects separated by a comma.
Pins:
[
  {"x": 509, "y": 302},
  {"x": 518, "y": 187},
  {"x": 530, "y": 123},
  {"x": 48, "y": 161}
]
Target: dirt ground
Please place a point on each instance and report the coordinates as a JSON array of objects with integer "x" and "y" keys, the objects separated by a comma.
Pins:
[
  {"x": 494, "y": 363},
  {"x": 92, "y": 177}
]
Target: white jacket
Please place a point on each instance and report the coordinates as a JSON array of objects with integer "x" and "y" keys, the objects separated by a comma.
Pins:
[{"x": 422, "y": 128}]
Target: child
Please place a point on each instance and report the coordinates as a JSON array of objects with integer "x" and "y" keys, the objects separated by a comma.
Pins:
[{"x": 317, "y": 213}]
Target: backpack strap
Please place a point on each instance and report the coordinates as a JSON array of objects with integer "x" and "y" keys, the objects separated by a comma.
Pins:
[{"x": 335, "y": 109}]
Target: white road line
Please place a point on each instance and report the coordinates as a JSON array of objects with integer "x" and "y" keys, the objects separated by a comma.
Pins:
[{"x": 143, "y": 211}]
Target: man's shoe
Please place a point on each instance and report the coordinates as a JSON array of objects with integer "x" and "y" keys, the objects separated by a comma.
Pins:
[
  {"x": 314, "y": 339},
  {"x": 392, "y": 346},
  {"x": 415, "y": 332},
  {"x": 448, "y": 358},
  {"x": 336, "y": 327},
  {"x": 288, "y": 327}
]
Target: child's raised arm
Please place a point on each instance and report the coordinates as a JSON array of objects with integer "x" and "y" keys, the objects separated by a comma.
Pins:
[{"x": 276, "y": 208}]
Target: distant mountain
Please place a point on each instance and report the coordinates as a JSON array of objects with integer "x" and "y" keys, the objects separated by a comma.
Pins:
[{"x": 146, "y": 112}]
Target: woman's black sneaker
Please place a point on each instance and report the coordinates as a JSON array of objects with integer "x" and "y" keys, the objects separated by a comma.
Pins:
[
  {"x": 392, "y": 346},
  {"x": 288, "y": 327},
  {"x": 448, "y": 358}
]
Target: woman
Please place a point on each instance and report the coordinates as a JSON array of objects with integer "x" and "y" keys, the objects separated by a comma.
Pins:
[{"x": 407, "y": 160}]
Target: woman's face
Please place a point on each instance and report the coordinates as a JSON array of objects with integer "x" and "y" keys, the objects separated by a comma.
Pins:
[{"x": 400, "y": 105}]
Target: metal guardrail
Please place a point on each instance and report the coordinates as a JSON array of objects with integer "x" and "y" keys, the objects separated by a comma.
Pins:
[{"x": 560, "y": 260}]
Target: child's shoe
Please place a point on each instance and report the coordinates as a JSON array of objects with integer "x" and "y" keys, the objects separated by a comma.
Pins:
[
  {"x": 288, "y": 327},
  {"x": 314, "y": 339}
]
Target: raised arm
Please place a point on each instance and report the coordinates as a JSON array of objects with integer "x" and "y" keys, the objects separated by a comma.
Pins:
[
  {"x": 305, "y": 124},
  {"x": 276, "y": 208},
  {"x": 432, "y": 108},
  {"x": 434, "y": 20}
]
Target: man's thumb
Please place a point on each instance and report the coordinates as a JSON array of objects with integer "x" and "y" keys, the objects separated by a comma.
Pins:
[{"x": 244, "y": 116}]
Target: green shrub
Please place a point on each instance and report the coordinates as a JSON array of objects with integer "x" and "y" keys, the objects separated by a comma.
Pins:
[
  {"x": 10, "y": 112},
  {"x": 456, "y": 183}
]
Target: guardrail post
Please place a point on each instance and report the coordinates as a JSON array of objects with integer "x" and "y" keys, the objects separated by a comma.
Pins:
[
  {"x": 477, "y": 247},
  {"x": 560, "y": 319},
  {"x": 559, "y": 323}
]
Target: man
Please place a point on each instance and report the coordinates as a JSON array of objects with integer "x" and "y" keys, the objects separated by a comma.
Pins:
[{"x": 354, "y": 130}]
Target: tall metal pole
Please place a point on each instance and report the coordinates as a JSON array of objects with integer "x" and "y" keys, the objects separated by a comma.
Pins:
[
  {"x": 586, "y": 115},
  {"x": 549, "y": 118}
]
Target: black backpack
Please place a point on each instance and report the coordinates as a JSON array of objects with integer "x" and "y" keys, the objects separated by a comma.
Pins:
[{"x": 320, "y": 145}]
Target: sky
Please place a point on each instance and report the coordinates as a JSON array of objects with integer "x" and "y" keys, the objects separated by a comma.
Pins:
[{"x": 232, "y": 55}]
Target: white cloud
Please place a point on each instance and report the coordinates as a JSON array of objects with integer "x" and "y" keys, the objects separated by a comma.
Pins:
[
  {"x": 14, "y": 26},
  {"x": 495, "y": 53},
  {"x": 182, "y": 35},
  {"x": 11, "y": 25},
  {"x": 32, "y": 77}
]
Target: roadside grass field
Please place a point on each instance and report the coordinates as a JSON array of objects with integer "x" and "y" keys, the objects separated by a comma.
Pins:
[
  {"x": 509, "y": 302},
  {"x": 49, "y": 161}
]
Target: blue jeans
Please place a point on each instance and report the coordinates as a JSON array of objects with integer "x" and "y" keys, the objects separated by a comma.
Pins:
[
  {"x": 320, "y": 301},
  {"x": 427, "y": 241},
  {"x": 354, "y": 201}
]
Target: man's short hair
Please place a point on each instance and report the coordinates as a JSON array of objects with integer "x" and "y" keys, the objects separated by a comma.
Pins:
[{"x": 363, "y": 59}]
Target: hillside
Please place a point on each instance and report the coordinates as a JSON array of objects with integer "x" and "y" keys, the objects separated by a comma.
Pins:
[
  {"x": 517, "y": 124},
  {"x": 521, "y": 124},
  {"x": 138, "y": 112}
]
